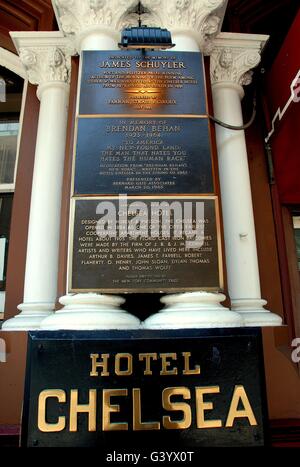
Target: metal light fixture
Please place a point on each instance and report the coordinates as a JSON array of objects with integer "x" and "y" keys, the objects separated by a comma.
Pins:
[{"x": 143, "y": 37}]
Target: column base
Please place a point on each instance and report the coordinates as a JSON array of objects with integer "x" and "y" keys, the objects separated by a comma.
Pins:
[
  {"x": 30, "y": 318},
  {"x": 254, "y": 314},
  {"x": 91, "y": 312},
  {"x": 193, "y": 310}
]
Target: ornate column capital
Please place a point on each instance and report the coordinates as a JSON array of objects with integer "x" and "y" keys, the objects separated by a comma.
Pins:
[
  {"x": 233, "y": 58},
  {"x": 46, "y": 56},
  {"x": 201, "y": 18},
  {"x": 78, "y": 17}
]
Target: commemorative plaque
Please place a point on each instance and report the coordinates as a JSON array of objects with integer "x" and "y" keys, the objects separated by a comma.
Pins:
[
  {"x": 143, "y": 156},
  {"x": 137, "y": 83},
  {"x": 143, "y": 391},
  {"x": 139, "y": 244},
  {"x": 143, "y": 133}
]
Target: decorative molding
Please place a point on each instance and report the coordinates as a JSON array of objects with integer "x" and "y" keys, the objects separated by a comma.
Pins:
[
  {"x": 234, "y": 56},
  {"x": 24, "y": 15},
  {"x": 77, "y": 16},
  {"x": 132, "y": 19},
  {"x": 46, "y": 65},
  {"x": 202, "y": 18},
  {"x": 12, "y": 62},
  {"x": 46, "y": 57}
]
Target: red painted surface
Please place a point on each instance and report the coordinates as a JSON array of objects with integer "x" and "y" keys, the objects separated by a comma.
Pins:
[{"x": 285, "y": 141}]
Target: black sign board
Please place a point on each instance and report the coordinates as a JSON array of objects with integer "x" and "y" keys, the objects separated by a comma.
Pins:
[
  {"x": 139, "y": 244},
  {"x": 137, "y": 83},
  {"x": 137, "y": 156},
  {"x": 144, "y": 389}
]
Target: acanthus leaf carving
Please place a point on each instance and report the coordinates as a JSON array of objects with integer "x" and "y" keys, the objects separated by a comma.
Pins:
[
  {"x": 128, "y": 21},
  {"x": 132, "y": 20},
  {"x": 203, "y": 18},
  {"x": 76, "y": 16},
  {"x": 46, "y": 64},
  {"x": 233, "y": 63},
  {"x": 29, "y": 59},
  {"x": 59, "y": 68}
]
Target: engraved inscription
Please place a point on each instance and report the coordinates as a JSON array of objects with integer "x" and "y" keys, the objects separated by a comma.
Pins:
[
  {"x": 142, "y": 262},
  {"x": 144, "y": 155},
  {"x": 147, "y": 83}
]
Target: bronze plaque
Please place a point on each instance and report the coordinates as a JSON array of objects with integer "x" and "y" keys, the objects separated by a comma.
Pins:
[
  {"x": 133, "y": 82},
  {"x": 139, "y": 244},
  {"x": 143, "y": 156}
]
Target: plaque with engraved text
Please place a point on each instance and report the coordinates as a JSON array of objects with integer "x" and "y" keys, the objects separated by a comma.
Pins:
[
  {"x": 137, "y": 83},
  {"x": 152, "y": 244},
  {"x": 143, "y": 156}
]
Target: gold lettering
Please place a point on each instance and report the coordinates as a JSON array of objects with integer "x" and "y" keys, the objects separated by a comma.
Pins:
[
  {"x": 239, "y": 394},
  {"x": 101, "y": 364},
  {"x": 118, "y": 370},
  {"x": 138, "y": 425},
  {"x": 147, "y": 357},
  {"x": 187, "y": 370},
  {"x": 186, "y": 421},
  {"x": 165, "y": 364},
  {"x": 42, "y": 418},
  {"x": 89, "y": 408},
  {"x": 201, "y": 406},
  {"x": 108, "y": 408}
]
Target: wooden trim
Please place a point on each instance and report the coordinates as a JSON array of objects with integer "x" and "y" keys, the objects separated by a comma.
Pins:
[
  {"x": 25, "y": 15},
  {"x": 286, "y": 290},
  {"x": 12, "y": 377},
  {"x": 248, "y": 16},
  {"x": 10, "y": 430},
  {"x": 21, "y": 206},
  {"x": 292, "y": 266},
  {"x": 285, "y": 433},
  {"x": 283, "y": 260},
  {"x": 67, "y": 179}
]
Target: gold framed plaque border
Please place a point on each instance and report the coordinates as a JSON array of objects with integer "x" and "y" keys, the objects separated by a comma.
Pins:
[
  {"x": 176, "y": 52},
  {"x": 149, "y": 116},
  {"x": 153, "y": 289},
  {"x": 79, "y": 117}
]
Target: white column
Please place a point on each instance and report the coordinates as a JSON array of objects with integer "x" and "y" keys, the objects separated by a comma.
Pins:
[
  {"x": 192, "y": 309},
  {"x": 234, "y": 55},
  {"x": 98, "y": 40},
  {"x": 46, "y": 58},
  {"x": 90, "y": 311}
]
